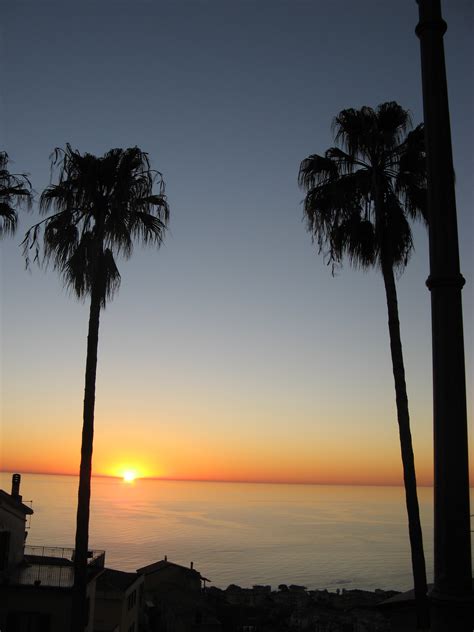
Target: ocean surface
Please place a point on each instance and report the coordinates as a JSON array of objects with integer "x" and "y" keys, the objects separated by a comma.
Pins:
[{"x": 316, "y": 536}]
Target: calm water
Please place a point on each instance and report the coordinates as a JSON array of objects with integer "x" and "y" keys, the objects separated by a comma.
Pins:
[{"x": 318, "y": 536}]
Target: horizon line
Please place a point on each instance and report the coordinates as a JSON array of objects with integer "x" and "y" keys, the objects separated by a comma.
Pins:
[{"x": 213, "y": 480}]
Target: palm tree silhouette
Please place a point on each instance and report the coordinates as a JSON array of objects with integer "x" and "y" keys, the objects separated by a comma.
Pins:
[
  {"x": 360, "y": 197},
  {"x": 102, "y": 204},
  {"x": 15, "y": 190}
]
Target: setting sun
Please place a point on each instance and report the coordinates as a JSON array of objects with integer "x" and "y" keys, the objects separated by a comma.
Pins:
[
  {"x": 128, "y": 469},
  {"x": 129, "y": 476}
]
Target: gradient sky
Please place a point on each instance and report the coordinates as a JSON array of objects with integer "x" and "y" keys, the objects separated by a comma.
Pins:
[{"x": 231, "y": 353}]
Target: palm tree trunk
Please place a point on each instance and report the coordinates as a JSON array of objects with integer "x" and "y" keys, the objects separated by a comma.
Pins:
[
  {"x": 409, "y": 477},
  {"x": 79, "y": 605}
]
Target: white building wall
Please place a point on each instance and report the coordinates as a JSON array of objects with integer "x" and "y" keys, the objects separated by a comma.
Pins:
[{"x": 13, "y": 521}]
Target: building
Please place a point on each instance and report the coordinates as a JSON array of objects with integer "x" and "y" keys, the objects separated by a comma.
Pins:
[
  {"x": 118, "y": 601},
  {"x": 175, "y": 600},
  {"x": 13, "y": 515},
  {"x": 36, "y": 582},
  {"x": 163, "y": 576},
  {"x": 36, "y": 586},
  {"x": 401, "y": 611}
]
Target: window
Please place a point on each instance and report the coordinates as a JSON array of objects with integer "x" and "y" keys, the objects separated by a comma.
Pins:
[{"x": 132, "y": 599}]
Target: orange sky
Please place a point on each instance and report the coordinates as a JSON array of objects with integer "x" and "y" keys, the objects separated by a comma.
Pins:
[
  {"x": 344, "y": 454},
  {"x": 256, "y": 437}
]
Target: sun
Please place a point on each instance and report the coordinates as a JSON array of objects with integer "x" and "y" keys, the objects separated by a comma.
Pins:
[{"x": 129, "y": 476}]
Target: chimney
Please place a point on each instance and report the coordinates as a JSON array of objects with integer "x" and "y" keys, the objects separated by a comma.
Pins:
[
  {"x": 166, "y": 558},
  {"x": 192, "y": 565},
  {"x": 16, "y": 478}
]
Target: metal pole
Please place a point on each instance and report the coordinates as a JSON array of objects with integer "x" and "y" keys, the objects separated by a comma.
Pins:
[{"x": 452, "y": 593}]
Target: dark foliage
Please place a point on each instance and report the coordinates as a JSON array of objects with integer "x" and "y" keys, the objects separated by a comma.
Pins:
[
  {"x": 376, "y": 157},
  {"x": 15, "y": 191},
  {"x": 101, "y": 204}
]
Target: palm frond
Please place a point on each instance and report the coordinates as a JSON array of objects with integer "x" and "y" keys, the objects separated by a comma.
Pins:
[
  {"x": 356, "y": 131},
  {"x": 102, "y": 204},
  {"x": 315, "y": 170},
  {"x": 147, "y": 227},
  {"x": 410, "y": 181},
  {"x": 340, "y": 194},
  {"x": 8, "y": 219},
  {"x": 397, "y": 238},
  {"x": 15, "y": 192},
  {"x": 345, "y": 162},
  {"x": 80, "y": 267},
  {"x": 109, "y": 277},
  {"x": 393, "y": 122},
  {"x": 360, "y": 193},
  {"x": 354, "y": 238}
]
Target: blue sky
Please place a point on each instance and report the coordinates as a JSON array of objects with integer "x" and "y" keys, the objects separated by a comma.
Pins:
[{"x": 234, "y": 337}]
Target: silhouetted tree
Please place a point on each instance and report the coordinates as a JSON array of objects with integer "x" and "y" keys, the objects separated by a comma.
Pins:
[
  {"x": 360, "y": 197},
  {"x": 102, "y": 204},
  {"x": 15, "y": 190}
]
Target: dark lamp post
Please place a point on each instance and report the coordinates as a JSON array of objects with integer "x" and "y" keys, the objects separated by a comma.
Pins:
[{"x": 452, "y": 593}]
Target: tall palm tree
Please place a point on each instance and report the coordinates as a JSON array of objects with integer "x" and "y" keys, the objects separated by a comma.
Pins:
[
  {"x": 15, "y": 190},
  {"x": 360, "y": 196},
  {"x": 102, "y": 204}
]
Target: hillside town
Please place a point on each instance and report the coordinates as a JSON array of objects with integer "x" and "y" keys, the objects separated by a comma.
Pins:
[{"x": 37, "y": 584}]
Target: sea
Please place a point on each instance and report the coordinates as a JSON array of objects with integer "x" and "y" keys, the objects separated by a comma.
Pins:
[{"x": 318, "y": 536}]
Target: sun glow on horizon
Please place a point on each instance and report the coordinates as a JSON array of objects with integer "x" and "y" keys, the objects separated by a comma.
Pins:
[
  {"x": 129, "y": 476},
  {"x": 127, "y": 469}
]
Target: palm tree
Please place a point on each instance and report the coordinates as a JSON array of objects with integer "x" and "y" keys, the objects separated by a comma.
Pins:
[
  {"x": 15, "y": 190},
  {"x": 360, "y": 196},
  {"x": 101, "y": 204}
]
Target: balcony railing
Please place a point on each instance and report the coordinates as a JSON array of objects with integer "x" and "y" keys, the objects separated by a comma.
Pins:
[
  {"x": 51, "y": 566},
  {"x": 53, "y": 553}
]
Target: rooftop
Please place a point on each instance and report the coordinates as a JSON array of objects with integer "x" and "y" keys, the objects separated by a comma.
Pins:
[
  {"x": 14, "y": 502},
  {"x": 114, "y": 580},
  {"x": 164, "y": 564}
]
